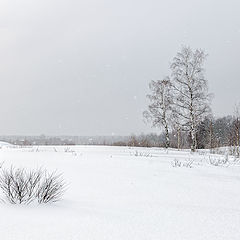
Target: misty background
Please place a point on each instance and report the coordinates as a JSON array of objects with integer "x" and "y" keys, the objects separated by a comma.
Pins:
[{"x": 83, "y": 67}]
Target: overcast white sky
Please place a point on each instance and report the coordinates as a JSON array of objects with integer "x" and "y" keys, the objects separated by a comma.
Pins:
[{"x": 82, "y": 67}]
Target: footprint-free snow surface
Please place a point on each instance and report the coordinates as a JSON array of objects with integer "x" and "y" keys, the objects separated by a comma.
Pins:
[{"x": 121, "y": 193}]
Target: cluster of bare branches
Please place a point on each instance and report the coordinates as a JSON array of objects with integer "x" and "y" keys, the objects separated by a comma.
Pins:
[
  {"x": 219, "y": 160},
  {"x": 21, "y": 186},
  {"x": 141, "y": 154},
  {"x": 69, "y": 150},
  {"x": 178, "y": 163},
  {"x": 51, "y": 188}
]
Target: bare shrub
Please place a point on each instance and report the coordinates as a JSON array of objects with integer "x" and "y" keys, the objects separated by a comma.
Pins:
[
  {"x": 51, "y": 188},
  {"x": 188, "y": 164},
  {"x": 69, "y": 150},
  {"x": 178, "y": 163},
  {"x": 21, "y": 186},
  {"x": 219, "y": 161},
  {"x": 140, "y": 154}
]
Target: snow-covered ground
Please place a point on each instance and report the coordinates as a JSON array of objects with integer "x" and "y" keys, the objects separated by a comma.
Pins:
[
  {"x": 3, "y": 144},
  {"x": 120, "y": 193}
]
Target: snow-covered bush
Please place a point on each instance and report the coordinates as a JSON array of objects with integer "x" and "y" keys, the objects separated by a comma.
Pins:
[
  {"x": 188, "y": 163},
  {"x": 219, "y": 160},
  {"x": 21, "y": 186},
  {"x": 51, "y": 188},
  {"x": 140, "y": 154},
  {"x": 178, "y": 163},
  {"x": 69, "y": 150}
]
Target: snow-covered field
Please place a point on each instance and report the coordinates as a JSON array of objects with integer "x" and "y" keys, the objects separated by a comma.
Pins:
[{"x": 121, "y": 193}]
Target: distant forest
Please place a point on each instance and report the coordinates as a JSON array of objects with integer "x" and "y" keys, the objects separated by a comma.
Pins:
[{"x": 211, "y": 133}]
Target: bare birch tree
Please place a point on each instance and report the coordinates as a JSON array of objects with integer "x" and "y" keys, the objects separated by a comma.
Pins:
[
  {"x": 191, "y": 98},
  {"x": 177, "y": 126},
  {"x": 159, "y": 110},
  {"x": 236, "y": 129}
]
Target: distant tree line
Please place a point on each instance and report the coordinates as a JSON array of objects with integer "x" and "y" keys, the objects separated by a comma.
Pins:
[
  {"x": 210, "y": 133},
  {"x": 142, "y": 140}
]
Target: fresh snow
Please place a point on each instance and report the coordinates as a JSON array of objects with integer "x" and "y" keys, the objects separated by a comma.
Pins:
[
  {"x": 116, "y": 194},
  {"x": 4, "y": 144}
]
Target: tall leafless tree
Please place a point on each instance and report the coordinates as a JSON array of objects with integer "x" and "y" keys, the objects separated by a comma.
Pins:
[
  {"x": 191, "y": 98},
  {"x": 159, "y": 110},
  {"x": 177, "y": 126},
  {"x": 236, "y": 129},
  {"x": 211, "y": 134}
]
